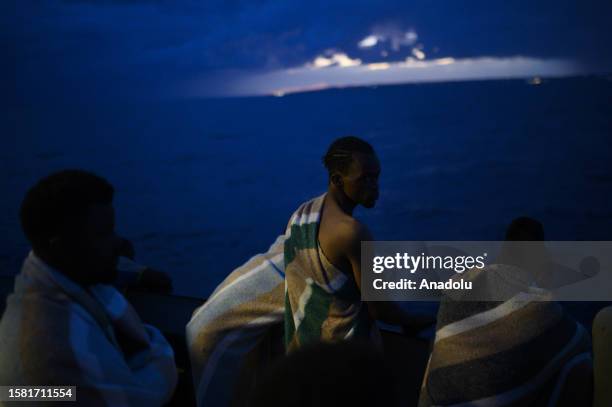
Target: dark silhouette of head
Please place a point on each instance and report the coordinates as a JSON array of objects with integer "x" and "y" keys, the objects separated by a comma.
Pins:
[
  {"x": 345, "y": 373},
  {"x": 524, "y": 247},
  {"x": 68, "y": 217},
  {"x": 525, "y": 229},
  {"x": 353, "y": 169}
]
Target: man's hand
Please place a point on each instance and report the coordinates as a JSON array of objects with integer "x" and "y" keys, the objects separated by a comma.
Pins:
[
  {"x": 386, "y": 311},
  {"x": 147, "y": 279},
  {"x": 126, "y": 249},
  {"x": 154, "y": 281}
]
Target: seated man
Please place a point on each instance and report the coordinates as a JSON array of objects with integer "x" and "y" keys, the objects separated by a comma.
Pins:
[
  {"x": 65, "y": 324},
  {"x": 515, "y": 348}
]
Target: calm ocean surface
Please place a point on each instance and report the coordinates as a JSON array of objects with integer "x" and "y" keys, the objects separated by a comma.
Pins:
[{"x": 201, "y": 185}]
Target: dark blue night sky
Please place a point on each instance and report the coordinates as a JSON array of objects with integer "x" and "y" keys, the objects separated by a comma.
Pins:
[{"x": 144, "y": 48}]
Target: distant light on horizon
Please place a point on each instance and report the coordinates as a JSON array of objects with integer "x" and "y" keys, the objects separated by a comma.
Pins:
[
  {"x": 536, "y": 80},
  {"x": 444, "y": 61},
  {"x": 310, "y": 88},
  {"x": 378, "y": 66}
]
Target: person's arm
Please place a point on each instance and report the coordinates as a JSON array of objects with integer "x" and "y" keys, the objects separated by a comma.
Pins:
[
  {"x": 386, "y": 311},
  {"x": 67, "y": 346},
  {"x": 134, "y": 276}
]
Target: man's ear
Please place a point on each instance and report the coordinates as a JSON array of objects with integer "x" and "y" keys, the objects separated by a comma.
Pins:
[{"x": 336, "y": 179}]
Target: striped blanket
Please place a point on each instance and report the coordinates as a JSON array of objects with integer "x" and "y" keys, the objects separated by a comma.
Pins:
[
  {"x": 54, "y": 332},
  {"x": 508, "y": 353},
  {"x": 230, "y": 326},
  {"x": 322, "y": 303}
]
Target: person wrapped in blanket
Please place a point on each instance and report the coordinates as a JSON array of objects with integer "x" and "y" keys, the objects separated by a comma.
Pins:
[
  {"x": 509, "y": 344},
  {"x": 65, "y": 324},
  {"x": 322, "y": 256},
  {"x": 308, "y": 290}
]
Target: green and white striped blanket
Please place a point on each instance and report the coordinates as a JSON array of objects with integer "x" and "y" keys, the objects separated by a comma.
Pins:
[{"x": 322, "y": 303}]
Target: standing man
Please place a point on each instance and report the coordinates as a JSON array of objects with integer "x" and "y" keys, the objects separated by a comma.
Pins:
[{"x": 323, "y": 252}]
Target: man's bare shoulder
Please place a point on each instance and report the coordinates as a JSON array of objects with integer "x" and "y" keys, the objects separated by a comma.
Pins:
[{"x": 349, "y": 232}]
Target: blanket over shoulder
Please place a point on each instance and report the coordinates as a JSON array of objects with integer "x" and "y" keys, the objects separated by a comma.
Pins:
[
  {"x": 55, "y": 332},
  {"x": 517, "y": 352},
  {"x": 322, "y": 303},
  {"x": 230, "y": 326}
]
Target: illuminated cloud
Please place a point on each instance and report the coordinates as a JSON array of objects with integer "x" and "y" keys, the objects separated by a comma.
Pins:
[
  {"x": 406, "y": 39},
  {"x": 342, "y": 71},
  {"x": 420, "y": 55},
  {"x": 322, "y": 62},
  {"x": 336, "y": 59},
  {"x": 410, "y": 37},
  {"x": 369, "y": 41},
  {"x": 395, "y": 37}
]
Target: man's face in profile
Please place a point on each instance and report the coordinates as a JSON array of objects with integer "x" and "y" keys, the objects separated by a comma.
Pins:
[
  {"x": 95, "y": 247},
  {"x": 361, "y": 180}
]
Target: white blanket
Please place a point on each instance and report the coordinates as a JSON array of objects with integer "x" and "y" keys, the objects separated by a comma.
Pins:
[{"x": 54, "y": 332}]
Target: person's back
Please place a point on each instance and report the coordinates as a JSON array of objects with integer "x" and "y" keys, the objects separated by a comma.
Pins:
[
  {"x": 322, "y": 302},
  {"x": 65, "y": 324}
]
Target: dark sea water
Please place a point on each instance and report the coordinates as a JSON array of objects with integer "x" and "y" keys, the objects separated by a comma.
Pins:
[{"x": 201, "y": 185}]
